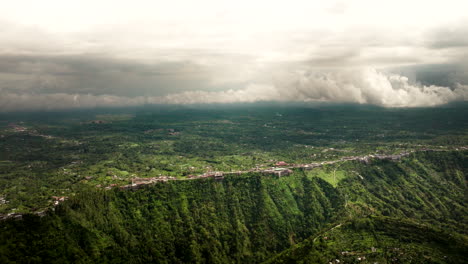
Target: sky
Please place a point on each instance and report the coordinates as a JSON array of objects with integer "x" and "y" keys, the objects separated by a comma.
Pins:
[{"x": 58, "y": 54}]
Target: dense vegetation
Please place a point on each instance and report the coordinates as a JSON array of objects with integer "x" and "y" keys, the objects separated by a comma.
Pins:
[
  {"x": 414, "y": 210},
  {"x": 49, "y": 154},
  {"x": 379, "y": 240}
]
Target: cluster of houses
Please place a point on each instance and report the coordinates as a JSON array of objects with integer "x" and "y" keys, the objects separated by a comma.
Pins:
[
  {"x": 170, "y": 131},
  {"x": 32, "y": 132},
  {"x": 19, "y": 216},
  {"x": 218, "y": 175},
  {"x": 16, "y": 216},
  {"x": 281, "y": 163},
  {"x": 152, "y": 180},
  {"x": 98, "y": 122},
  {"x": 277, "y": 171},
  {"x": 367, "y": 159},
  {"x": 17, "y": 128},
  {"x": 139, "y": 182}
]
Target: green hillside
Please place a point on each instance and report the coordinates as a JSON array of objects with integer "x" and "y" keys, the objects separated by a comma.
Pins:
[
  {"x": 379, "y": 240},
  {"x": 251, "y": 218}
]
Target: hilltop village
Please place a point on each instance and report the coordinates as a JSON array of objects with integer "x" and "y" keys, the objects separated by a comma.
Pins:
[{"x": 280, "y": 169}]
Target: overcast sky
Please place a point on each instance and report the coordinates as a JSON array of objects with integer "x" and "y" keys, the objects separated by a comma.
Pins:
[{"x": 61, "y": 54}]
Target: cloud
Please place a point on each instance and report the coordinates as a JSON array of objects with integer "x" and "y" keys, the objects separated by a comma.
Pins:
[
  {"x": 224, "y": 51},
  {"x": 450, "y": 36},
  {"x": 97, "y": 74},
  {"x": 363, "y": 86},
  {"x": 56, "y": 101}
]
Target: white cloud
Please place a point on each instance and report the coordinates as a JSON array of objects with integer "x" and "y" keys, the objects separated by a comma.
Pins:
[{"x": 364, "y": 86}]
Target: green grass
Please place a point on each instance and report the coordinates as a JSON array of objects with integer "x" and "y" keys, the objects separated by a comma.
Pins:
[{"x": 332, "y": 176}]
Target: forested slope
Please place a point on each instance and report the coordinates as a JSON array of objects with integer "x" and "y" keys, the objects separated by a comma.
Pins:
[
  {"x": 414, "y": 211},
  {"x": 240, "y": 219},
  {"x": 245, "y": 219},
  {"x": 379, "y": 239}
]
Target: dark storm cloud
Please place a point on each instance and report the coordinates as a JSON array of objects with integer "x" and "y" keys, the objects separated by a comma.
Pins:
[
  {"x": 97, "y": 75},
  {"x": 451, "y": 42}
]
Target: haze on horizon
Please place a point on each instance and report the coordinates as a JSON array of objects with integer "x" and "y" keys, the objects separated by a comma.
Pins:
[{"x": 78, "y": 54}]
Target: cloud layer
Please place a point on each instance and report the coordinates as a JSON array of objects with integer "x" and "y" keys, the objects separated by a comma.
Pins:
[
  {"x": 58, "y": 54},
  {"x": 365, "y": 86}
]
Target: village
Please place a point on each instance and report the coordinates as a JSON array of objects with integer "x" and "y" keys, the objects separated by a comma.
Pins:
[{"x": 280, "y": 169}]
